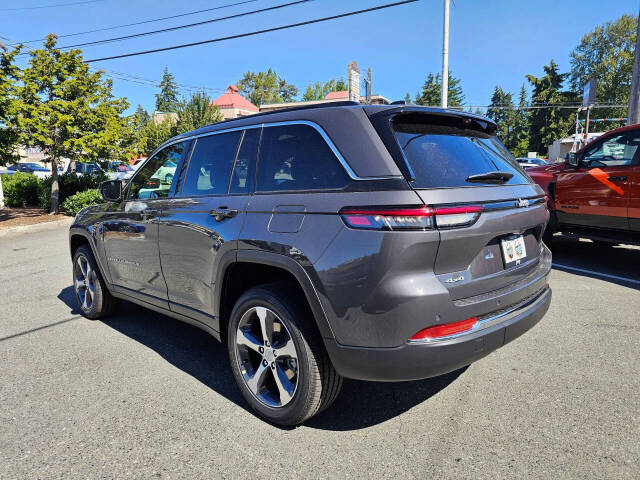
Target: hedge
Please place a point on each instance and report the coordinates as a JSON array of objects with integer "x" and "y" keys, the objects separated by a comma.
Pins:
[
  {"x": 73, "y": 204},
  {"x": 69, "y": 184},
  {"x": 20, "y": 189}
]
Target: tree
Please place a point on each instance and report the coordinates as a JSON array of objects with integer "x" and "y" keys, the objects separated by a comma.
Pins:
[
  {"x": 155, "y": 134},
  {"x": 501, "y": 111},
  {"x": 196, "y": 112},
  {"x": 432, "y": 92},
  {"x": 266, "y": 87},
  {"x": 407, "y": 98},
  {"x": 319, "y": 90},
  {"x": 9, "y": 77},
  {"x": 520, "y": 133},
  {"x": 67, "y": 110},
  {"x": 549, "y": 123},
  {"x": 606, "y": 54},
  {"x": 167, "y": 99},
  {"x": 141, "y": 117}
]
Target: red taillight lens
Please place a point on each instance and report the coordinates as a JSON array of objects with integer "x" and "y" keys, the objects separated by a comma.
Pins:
[
  {"x": 457, "y": 216},
  {"x": 381, "y": 218},
  {"x": 439, "y": 331}
]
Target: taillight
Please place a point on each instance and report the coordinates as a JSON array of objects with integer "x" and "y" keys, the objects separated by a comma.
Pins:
[
  {"x": 445, "y": 330},
  {"x": 457, "y": 216},
  {"x": 410, "y": 218},
  {"x": 391, "y": 218}
]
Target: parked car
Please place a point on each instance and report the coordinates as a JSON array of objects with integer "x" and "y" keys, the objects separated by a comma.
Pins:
[
  {"x": 33, "y": 168},
  {"x": 526, "y": 162},
  {"x": 86, "y": 168},
  {"x": 595, "y": 194},
  {"x": 371, "y": 242},
  {"x": 119, "y": 171}
]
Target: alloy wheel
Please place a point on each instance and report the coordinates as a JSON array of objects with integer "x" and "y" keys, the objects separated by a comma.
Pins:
[
  {"x": 84, "y": 282},
  {"x": 267, "y": 357}
]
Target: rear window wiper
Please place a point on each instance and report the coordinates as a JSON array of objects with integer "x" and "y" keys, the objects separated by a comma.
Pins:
[{"x": 490, "y": 177}]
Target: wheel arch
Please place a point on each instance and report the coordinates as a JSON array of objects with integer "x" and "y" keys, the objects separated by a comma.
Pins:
[
  {"x": 251, "y": 268},
  {"x": 80, "y": 236}
]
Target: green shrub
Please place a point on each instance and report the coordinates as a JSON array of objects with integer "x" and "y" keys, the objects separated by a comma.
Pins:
[
  {"x": 20, "y": 189},
  {"x": 73, "y": 204},
  {"x": 69, "y": 184}
]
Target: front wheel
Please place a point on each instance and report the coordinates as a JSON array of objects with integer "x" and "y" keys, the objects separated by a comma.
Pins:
[
  {"x": 277, "y": 357},
  {"x": 94, "y": 300}
]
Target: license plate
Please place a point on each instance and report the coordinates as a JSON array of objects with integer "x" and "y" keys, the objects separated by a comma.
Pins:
[{"x": 513, "y": 250}]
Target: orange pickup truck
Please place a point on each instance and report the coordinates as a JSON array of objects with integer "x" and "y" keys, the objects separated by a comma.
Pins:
[{"x": 595, "y": 193}]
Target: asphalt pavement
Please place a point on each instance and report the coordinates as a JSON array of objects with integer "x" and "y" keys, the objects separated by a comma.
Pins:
[{"x": 141, "y": 395}]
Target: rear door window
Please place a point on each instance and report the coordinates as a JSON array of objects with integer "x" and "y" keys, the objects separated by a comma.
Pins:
[
  {"x": 446, "y": 153},
  {"x": 296, "y": 157},
  {"x": 210, "y": 165},
  {"x": 245, "y": 166}
]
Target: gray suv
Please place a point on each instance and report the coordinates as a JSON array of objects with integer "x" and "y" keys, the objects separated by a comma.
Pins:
[{"x": 378, "y": 243}]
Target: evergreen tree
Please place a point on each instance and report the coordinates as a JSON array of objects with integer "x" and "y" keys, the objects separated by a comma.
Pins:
[
  {"x": 407, "y": 99},
  {"x": 520, "y": 132},
  {"x": 432, "y": 92},
  {"x": 501, "y": 111},
  {"x": 319, "y": 90},
  {"x": 67, "y": 110},
  {"x": 550, "y": 123},
  {"x": 167, "y": 99}
]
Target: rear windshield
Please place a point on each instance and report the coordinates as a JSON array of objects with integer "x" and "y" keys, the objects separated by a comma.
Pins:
[{"x": 445, "y": 154}]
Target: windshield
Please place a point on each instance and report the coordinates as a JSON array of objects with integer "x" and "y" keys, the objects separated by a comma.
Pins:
[{"x": 445, "y": 155}]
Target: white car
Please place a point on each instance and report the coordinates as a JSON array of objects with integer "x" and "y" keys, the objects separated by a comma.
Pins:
[{"x": 526, "y": 162}]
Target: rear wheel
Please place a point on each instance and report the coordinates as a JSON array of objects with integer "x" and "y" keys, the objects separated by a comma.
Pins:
[
  {"x": 94, "y": 300},
  {"x": 277, "y": 357}
]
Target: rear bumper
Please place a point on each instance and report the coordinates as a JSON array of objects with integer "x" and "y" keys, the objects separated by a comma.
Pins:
[{"x": 416, "y": 361}]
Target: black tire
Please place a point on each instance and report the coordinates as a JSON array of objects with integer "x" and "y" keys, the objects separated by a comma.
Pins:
[
  {"x": 317, "y": 382},
  {"x": 99, "y": 304}
]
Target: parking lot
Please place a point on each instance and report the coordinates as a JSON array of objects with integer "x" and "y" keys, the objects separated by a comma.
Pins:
[{"x": 144, "y": 396}]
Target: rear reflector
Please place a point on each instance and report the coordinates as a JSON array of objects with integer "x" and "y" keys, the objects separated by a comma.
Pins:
[
  {"x": 382, "y": 218},
  {"x": 457, "y": 216},
  {"x": 445, "y": 330}
]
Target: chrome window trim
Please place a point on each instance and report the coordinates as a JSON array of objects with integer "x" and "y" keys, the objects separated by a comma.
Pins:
[{"x": 309, "y": 123}]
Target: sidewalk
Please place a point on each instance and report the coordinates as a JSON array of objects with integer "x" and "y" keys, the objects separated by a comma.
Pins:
[{"x": 22, "y": 220}]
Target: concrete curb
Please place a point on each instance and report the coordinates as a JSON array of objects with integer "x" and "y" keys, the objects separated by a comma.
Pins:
[{"x": 36, "y": 227}]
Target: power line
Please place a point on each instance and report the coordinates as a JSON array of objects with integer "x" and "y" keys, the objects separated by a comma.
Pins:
[
  {"x": 142, "y": 22},
  {"x": 249, "y": 34},
  {"x": 127, "y": 77},
  {"x": 49, "y": 6},
  {"x": 190, "y": 25}
]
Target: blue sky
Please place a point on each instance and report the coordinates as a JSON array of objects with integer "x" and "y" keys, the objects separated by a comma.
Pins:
[{"x": 493, "y": 42}]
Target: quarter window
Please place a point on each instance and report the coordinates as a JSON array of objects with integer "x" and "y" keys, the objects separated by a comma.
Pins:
[
  {"x": 155, "y": 178},
  {"x": 296, "y": 157},
  {"x": 210, "y": 164},
  {"x": 244, "y": 168}
]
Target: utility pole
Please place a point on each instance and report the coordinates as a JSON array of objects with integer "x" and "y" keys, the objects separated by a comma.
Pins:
[
  {"x": 445, "y": 57},
  {"x": 634, "y": 97}
]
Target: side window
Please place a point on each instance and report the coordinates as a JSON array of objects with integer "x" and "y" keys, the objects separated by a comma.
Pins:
[
  {"x": 617, "y": 151},
  {"x": 210, "y": 165},
  {"x": 244, "y": 168},
  {"x": 154, "y": 179},
  {"x": 296, "y": 157}
]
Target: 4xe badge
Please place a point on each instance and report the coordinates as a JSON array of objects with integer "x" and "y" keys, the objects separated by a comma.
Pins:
[{"x": 522, "y": 203}]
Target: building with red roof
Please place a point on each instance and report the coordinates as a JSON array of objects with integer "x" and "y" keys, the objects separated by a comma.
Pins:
[
  {"x": 339, "y": 95},
  {"x": 234, "y": 105}
]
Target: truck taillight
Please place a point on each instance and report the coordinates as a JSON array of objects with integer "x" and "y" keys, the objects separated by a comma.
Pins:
[{"x": 409, "y": 218}]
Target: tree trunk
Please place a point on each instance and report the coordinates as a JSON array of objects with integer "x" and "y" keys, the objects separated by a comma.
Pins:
[{"x": 55, "y": 187}]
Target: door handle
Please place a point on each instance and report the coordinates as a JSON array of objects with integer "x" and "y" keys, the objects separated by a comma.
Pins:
[
  {"x": 222, "y": 212},
  {"x": 622, "y": 178}
]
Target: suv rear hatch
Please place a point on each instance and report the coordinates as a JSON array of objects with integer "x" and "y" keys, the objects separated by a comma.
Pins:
[{"x": 489, "y": 213}]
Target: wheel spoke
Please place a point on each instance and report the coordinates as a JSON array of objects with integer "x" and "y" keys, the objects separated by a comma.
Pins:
[
  {"x": 266, "y": 323},
  {"x": 83, "y": 268},
  {"x": 285, "y": 386},
  {"x": 288, "y": 349},
  {"x": 89, "y": 273},
  {"x": 245, "y": 338},
  {"x": 78, "y": 284},
  {"x": 257, "y": 380},
  {"x": 85, "y": 303}
]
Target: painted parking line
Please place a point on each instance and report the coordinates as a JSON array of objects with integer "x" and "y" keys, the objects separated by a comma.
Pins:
[{"x": 598, "y": 274}]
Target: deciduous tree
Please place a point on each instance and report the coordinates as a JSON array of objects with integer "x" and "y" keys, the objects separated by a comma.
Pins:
[
  {"x": 266, "y": 87},
  {"x": 195, "y": 112}
]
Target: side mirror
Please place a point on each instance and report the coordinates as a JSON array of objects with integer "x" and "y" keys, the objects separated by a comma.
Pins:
[
  {"x": 111, "y": 190},
  {"x": 572, "y": 159}
]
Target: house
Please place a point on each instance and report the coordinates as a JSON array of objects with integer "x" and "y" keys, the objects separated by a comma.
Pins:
[{"x": 234, "y": 105}]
